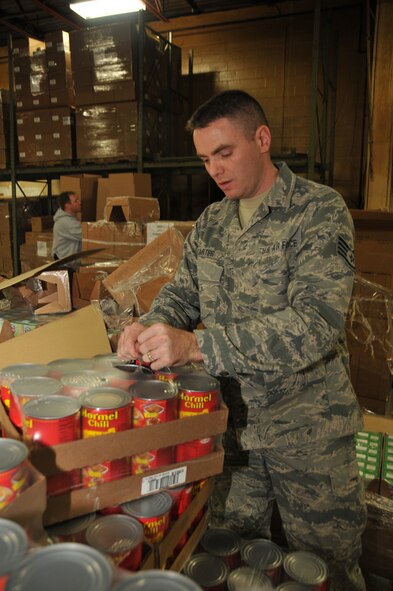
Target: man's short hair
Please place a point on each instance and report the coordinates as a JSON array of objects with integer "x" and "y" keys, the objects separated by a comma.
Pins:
[
  {"x": 232, "y": 104},
  {"x": 65, "y": 198}
]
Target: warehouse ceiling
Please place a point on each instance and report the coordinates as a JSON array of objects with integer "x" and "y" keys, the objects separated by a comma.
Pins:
[{"x": 34, "y": 18}]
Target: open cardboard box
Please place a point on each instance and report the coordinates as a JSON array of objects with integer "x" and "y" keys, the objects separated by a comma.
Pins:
[{"x": 85, "y": 452}]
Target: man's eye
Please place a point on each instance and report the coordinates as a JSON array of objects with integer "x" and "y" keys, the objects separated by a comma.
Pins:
[{"x": 225, "y": 154}]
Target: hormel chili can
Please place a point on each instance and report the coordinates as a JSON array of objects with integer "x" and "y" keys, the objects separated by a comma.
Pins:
[
  {"x": 198, "y": 394},
  {"x": 210, "y": 572},
  {"x": 13, "y": 547},
  {"x": 224, "y": 543},
  {"x": 25, "y": 389},
  {"x": 153, "y": 512},
  {"x": 59, "y": 367},
  {"x": 62, "y": 566},
  {"x": 72, "y": 530},
  {"x": 246, "y": 577},
  {"x": 181, "y": 498},
  {"x": 154, "y": 402},
  {"x": 306, "y": 568},
  {"x": 14, "y": 473},
  {"x": 265, "y": 556},
  {"x": 169, "y": 374},
  {"x": 50, "y": 421},
  {"x": 105, "y": 410},
  {"x": 120, "y": 538},
  {"x": 13, "y": 372},
  {"x": 124, "y": 375}
]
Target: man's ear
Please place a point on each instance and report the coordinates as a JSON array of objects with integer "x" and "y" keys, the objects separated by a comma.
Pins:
[{"x": 264, "y": 138}]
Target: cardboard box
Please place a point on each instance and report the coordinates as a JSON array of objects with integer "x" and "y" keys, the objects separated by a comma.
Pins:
[
  {"x": 44, "y": 222},
  {"x": 102, "y": 194},
  {"x": 130, "y": 184},
  {"x": 134, "y": 282},
  {"x": 131, "y": 209},
  {"x": 154, "y": 229},
  {"x": 118, "y": 241}
]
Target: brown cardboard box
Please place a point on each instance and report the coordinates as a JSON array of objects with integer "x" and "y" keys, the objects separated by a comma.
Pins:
[
  {"x": 39, "y": 224},
  {"x": 130, "y": 184},
  {"x": 84, "y": 281},
  {"x": 102, "y": 194},
  {"x": 154, "y": 229},
  {"x": 153, "y": 265},
  {"x": 118, "y": 240},
  {"x": 132, "y": 209}
]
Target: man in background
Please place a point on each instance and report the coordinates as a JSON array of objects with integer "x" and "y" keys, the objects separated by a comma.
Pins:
[{"x": 67, "y": 229}]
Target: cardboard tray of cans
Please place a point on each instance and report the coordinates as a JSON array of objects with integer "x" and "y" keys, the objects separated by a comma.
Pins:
[
  {"x": 84, "y": 452},
  {"x": 167, "y": 559}
]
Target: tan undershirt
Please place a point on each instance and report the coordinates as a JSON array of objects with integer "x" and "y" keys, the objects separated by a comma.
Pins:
[{"x": 247, "y": 208}]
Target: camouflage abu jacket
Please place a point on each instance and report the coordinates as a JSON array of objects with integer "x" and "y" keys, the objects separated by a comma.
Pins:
[{"x": 273, "y": 298}]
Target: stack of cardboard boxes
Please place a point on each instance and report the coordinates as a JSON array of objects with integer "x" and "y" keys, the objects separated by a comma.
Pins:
[{"x": 44, "y": 96}]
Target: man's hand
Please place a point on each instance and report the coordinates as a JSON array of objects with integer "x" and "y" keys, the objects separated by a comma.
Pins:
[
  {"x": 162, "y": 345},
  {"x": 128, "y": 346}
]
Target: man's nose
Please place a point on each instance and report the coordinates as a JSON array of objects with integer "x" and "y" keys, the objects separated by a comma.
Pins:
[{"x": 216, "y": 169}]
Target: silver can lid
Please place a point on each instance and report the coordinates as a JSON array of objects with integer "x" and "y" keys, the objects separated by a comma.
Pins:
[
  {"x": 262, "y": 554},
  {"x": 69, "y": 364},
  {"x": 248, "y": 578},
  {"x": 198, "y": 383},
  {"x": 115, "y": 533},
  {"x": 84, "y": 379},
  {"x": 105, "y": 397},
  {"x": 62, "y": 567},
  {"x": 51, "y": 407},
  {"x": 12, "y": 453},
  {"x": 157, "y": 580},
  {"x": 292, "y": 586},
  {"x": 133, "y": 368},
  {"x": 13, "y": 545},
  {"x": 149, "y": 506},
  {"x": 221, "y": 542},
  {"x": 71, "y": 526},
  {"x": 36, "y": 386},
  {"x": 153, "y": 390},
  {"x": 22, "y": 370},
  {"x": 206, "y": 570},
  {"x": 305, "y": 567},
  {"x": 107, "y": 360}
]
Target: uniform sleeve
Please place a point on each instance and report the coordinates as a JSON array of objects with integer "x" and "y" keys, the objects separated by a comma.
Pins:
[{"x": 318, "y": 294}]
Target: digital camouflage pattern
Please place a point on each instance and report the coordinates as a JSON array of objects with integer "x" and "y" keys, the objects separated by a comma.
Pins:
[{"x": 273, "y": 299}]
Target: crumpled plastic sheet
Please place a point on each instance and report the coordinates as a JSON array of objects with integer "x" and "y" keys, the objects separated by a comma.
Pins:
[{"x": 370, "y": 317}]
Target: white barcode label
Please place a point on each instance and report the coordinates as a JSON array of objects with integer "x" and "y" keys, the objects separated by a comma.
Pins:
[{"x": 157, "y": 482}]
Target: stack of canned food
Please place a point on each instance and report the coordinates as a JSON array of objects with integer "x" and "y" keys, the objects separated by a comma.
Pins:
[
  {"x": 71, "y": 399},
  {"x": 225, "y": 562}
]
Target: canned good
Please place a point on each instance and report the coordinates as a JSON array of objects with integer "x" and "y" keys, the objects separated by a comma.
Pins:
[
  {"x": 25, "y": 389},
  {"x": 153, "y": 512},
  {"x": 76, "y": 384},
  {"x": 306, "y": 568},
  {"x": 13, "y": 547},
  {"x": 72, "y": 530},
  {"x": 125, "y": 374},
  {"x": 168, "y": 374},
  {"x": 224, "y": 543},
  {"x": 14, "y": 472},
  {"x": 13, "y": 372},
  {"x": 59, "y": 367},
  {"x": 106, "y": 360},
  {"x": 154, "y": 402},
  {"x": 105, "y": 410},
  {"x": 157, "y": 580},
  {"x": 249, "y": 578},
  {"x": 181, "y": 498},
  {"x": 210, "y": 572},
  {"x": 62, "y": 566},
  {"x": 50, "y": 421},
  {"x": 198, "y": 394},
  {"x": 265, "y": 556},
  {"x": 292, "y": 586},
  {"x": 120, "y": 537}
]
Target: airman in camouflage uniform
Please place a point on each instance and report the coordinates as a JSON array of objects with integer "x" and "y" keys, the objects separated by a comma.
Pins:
[{"x": 273, "y": 297}]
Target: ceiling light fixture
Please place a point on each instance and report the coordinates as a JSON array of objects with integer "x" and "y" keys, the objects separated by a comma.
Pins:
[{"x": 100, "y": 8}]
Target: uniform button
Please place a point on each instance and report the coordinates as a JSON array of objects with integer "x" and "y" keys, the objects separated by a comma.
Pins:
[{"x": 224, "y": 374}]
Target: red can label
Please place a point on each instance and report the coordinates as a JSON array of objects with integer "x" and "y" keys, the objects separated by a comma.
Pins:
[
  {"x": 97, "y": 422},
  {"x": 195, "y": 403},
  {"x": 155, "y": 528},
  {"x": 181, "y": 500},
  {"x": 5, "y": 395},
  {"x": 152, "y": 459},
  {"x": 12, "y": 483},
  {"x": 153, "y": 412}
]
